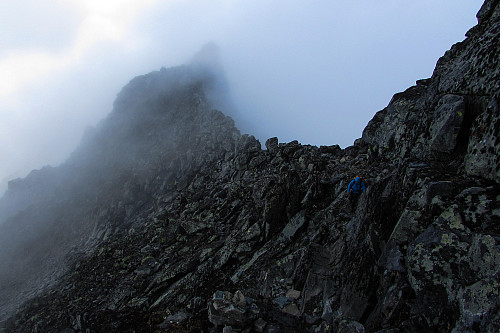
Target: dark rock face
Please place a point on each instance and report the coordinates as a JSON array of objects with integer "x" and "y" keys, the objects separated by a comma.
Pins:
[
  {"x": 454, "y": 112},
  {"x": 180, "y": 223}
]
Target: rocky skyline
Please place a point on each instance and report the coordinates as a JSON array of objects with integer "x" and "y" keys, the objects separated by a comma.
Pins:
[
  {"x": 296, "y": 69},
  {"x": 168, "y": 219}
]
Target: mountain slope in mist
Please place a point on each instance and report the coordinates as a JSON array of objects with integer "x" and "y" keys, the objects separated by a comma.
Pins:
[
  {"x": 167, "y": 219},
  {"x": 147, "y": 139}
]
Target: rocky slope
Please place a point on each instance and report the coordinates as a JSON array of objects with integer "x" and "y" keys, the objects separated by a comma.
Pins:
[{"x": 169, "y": 220}]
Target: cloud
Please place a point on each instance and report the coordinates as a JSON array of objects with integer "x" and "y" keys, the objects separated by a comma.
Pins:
[
  {"x": 35, "y": 25},
  {"x": 315, "y": 71},
  {"x": 48, "y": 95},
  {"x": 101, "y": 21}
]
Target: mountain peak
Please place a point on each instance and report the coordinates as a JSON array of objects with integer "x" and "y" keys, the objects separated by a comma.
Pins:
[
  {"x": 208, "y": 56},
  {"x": 168, "y": 219}
]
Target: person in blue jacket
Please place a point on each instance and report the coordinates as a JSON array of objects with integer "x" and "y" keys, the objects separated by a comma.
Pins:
[{"x": 355, "y": 188}]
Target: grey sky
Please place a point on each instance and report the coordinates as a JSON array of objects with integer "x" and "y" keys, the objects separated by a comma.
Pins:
[{"x": 315, "y": 70}]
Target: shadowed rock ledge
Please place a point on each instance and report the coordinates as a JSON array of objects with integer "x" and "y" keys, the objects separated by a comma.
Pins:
[{"x": 167, "y": 219}]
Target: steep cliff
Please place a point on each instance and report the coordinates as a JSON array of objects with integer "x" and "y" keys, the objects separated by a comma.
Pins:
[{"x": 169, "y": 220}]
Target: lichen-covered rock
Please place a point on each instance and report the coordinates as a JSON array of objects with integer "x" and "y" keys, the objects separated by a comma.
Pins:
[
  {"x": 448, "y": 113},
  {"x": 448, "y": 119},
  {"x": 483, "y": 151},
  {"x": 223, "y": 233}
]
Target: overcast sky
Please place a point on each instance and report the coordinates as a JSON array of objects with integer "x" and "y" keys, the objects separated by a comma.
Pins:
[{"x": 311, "y": 70}]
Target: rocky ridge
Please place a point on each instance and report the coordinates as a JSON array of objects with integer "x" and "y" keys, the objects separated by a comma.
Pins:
[{"x": 190, "y": 226}]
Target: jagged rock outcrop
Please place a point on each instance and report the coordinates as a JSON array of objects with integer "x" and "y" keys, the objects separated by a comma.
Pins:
[
  {"x": 161, "y": 132},
  {"x": 454, "y": 112},
  {"x": 203, "y": 230}
]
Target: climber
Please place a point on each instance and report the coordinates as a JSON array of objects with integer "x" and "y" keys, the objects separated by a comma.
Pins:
[{"x": 356, "y": 186}]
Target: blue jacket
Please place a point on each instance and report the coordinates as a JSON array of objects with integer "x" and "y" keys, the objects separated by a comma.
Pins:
[{"x": 356, "y": 186}]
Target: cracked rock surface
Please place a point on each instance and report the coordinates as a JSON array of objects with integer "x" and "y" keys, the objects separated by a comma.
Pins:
[{"x": 168, "y": 219}]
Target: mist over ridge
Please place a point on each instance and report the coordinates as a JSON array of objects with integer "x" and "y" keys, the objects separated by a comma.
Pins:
[
  {"x": 163, "y": 128},
  {"x": 295, "y": 69},
  {"x": 167, "y": 216}
]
